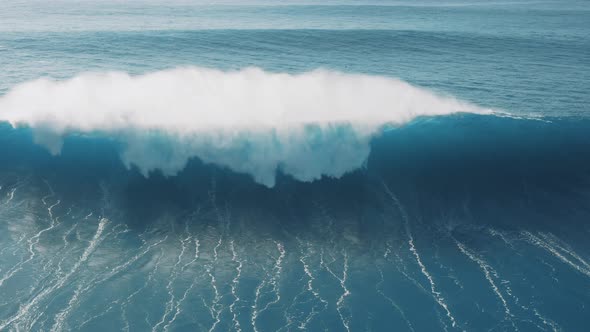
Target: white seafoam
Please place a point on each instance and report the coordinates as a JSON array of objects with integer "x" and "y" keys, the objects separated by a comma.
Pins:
[{"x": 308, "y": 125}]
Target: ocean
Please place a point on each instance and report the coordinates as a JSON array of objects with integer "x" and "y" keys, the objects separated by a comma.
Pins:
[{"x": 294, "y": 165}]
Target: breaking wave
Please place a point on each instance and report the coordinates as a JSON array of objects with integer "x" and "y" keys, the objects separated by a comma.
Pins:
[{"x": 307, "y": 125}]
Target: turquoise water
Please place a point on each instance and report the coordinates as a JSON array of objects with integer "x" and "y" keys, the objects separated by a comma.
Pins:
[{"x": 343, "y": 166}]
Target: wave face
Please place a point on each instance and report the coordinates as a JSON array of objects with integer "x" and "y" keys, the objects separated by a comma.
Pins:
[
  {"x": 251, "y": 121},
  {"x": 447, "y": 212}
]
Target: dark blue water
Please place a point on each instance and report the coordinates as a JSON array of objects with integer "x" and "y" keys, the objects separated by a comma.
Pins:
[{"x": 250, "y": 200}]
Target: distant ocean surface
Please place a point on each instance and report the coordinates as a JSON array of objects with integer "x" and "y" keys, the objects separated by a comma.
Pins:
[{"x": 294, "y": 165}]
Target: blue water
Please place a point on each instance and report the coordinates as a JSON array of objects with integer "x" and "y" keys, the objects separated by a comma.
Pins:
[{"x": 421, "y": 219}]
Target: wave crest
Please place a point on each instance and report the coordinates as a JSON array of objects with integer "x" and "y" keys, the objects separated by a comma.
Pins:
[{"x": 309, "y": 125}]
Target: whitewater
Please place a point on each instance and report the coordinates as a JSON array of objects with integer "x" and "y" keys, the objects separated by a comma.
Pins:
[
  {"x": 294, "y": 166},
  {"x": 251, "y": 121}
]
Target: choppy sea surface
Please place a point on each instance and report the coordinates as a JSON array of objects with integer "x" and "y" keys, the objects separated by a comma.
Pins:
[{"x": 282, "y": 166}]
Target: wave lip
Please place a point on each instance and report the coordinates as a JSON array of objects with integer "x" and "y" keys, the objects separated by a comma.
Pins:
[{"x": 309, "y": 125}]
